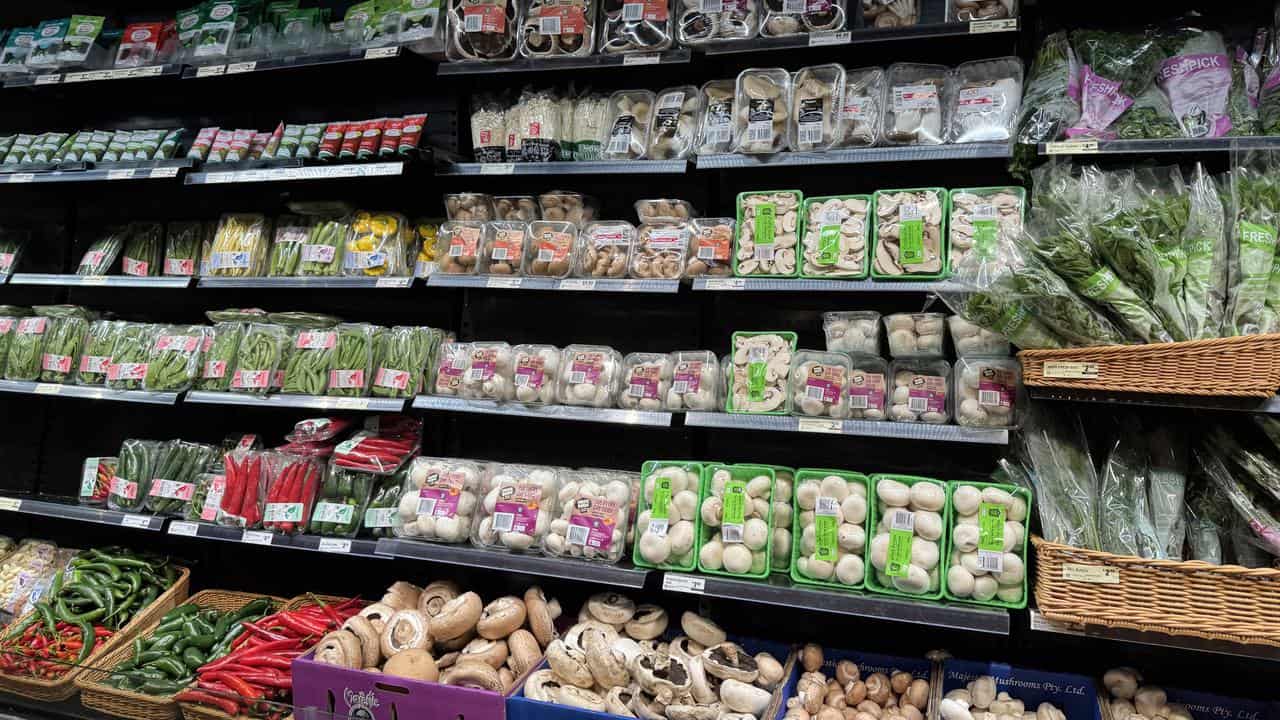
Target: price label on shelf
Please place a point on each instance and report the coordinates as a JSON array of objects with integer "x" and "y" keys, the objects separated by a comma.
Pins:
[
  {"x": 10, "y": 504},
  {"x": 350, "y": 403},
  {"x": 1094, "y": 574},
  {"x": 120, "y": 174},
  {"x": 394, "y": 282},
  {"x": 48, "y": 79},
  {"x": 684, "y": 583},
  {"x": 211, "y": 71},
  {"x": 577, "y": 284},
  {"x": 497, "y": 168},
  {"x": 256, "y": 537},
  {"x": 819, "y": 425},
  {"x": 1071, "y": 147},
  {"x": 242, "y": 67},
  {"x": 93, "y": 280},
  {"x": 642, "y": 59},
  {"x": 185, "y": 529},
  {"x": 334, "y": 545},
  {"x": 978, "y": 27},
  {"x": 725, "y": 284},
  {"x": 47, "y": 389},
  {"x": 507, "y": 283},
  {"x": 818, "y": 39},
  {"x": 382, "y": 52},
  {"x": 21, "y": 178},
  {"x": 1071, "y": 370},
  {"x": 163, "y": 172},
  {"x": 136, "y": 521}
]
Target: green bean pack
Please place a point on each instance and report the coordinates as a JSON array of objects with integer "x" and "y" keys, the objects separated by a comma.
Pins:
[
  {"x": 102, "y": 253},
  {"x": 25, "y": 348},
  {"x": 144, "y": 251},
  {"x": 134, "y": 468},
  {"x": 260, "y": 354},
  {"x": 173, "y": 478},
  {"x": 95, "y": 356},
  {"x": 9, "y": 317},
  {"x": 322, "y": 253},
  {"x": 351, "y": 367},
  {"x": 174, "y": 360},
  {"x": 221, "y": 345},
  {"x": 62, "y": 343},
  {"x": 404, "y": 358},
  {"x": 307, "y": 369},
  {"x": 292, "y": 234},
  {"x": 128, "y": 365},
  {"x": 182, "y": 248}
]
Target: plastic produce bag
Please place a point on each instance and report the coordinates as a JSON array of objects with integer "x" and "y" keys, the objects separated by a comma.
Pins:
[
  {"x": 182, "y": 248},
  {"x": 242, "y": 497},
  {"x": 1150, "y": 116},
  {"x": 306, "y": 371},
  {"x": 259, "y": 355},
  {"x": 1049, "y": 107},
  {"x": 292, "y": 233},
  {"x": 628, "y": 119},
  {"x": 173, "y": 480},
  {"x": 95, "y": 483},
  {"x": 9, "y": 318},
  {"x": 861, "y": 108},
  {"x": 206, "y": 498},
  {"x": 221, "y": 346},
  {"x": 1124, "y": 518},
  {"x": 762, "y": 108},
  {"x": 816, "y": 107},
  {"x": 26, "y": 345},
  {"x": 381, "y": 515},
  {"x": 351, "y": 363},
  {"x": 1242, "y": 101},
  {"x": 240, "y": 246},
  {"x": 63, "y": 340},
  {"x": 715, "y": 135},
  {"x": 1116, "y": 68},
  {"x": 376, "y": 245},
  {"x": 134, "y": 470},
  {"x": 128, "y": 366},
  {"x": 1263, "y": 525},
  {"x": 919, "y": 104},
  {"x": 641, "y": 26},
  {"x": 980, "y": 215},
  {"x": 987, "y": 96},
  {"x": 405, "y": 355},
  {"x": 144, "y": 250},
  {"x": 1065, "y": 480},
  {"x": 1206, "y": 514},
  {"x": 676, "y": 117},
  {"x": 174, "y": 361},
  {"x": 1197, "y": 81},
  {"x": 1166, "y": 490},
  {"x": 292, "y": 483},
  {"x": 95, "y": 355},
  {"x": 1255, "y": 213},
  {"x": 102, "y": 253},
  {"x": 323, "y": 251},
  {"x": 1204, "y": 241}
]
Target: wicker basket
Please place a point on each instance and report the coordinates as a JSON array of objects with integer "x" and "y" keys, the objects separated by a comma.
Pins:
[
  {"x": 191, "y": 711},
  {"x": 1192, "y": 598},
  {"x": 140, "y": 706},
  {"x": 64, "y": 687},
  {"x": 1244, "y": 366}
]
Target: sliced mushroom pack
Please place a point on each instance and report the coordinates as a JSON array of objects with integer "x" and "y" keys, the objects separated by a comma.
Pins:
[
  {"x": 979, "y": 216},
  {"x": 761, "y": 366},
  {"x": 768, "y": 227},
  {"x": 863, "y": 108},
  {"x": 909, "y": 232},
  {"x": 836, "y": 236}
]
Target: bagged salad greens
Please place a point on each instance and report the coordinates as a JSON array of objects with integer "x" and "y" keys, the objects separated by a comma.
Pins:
[
  {"x": 1242, "y": 101},
  {"x": 1166, "y": 489},
  {"x": 63, "y": 340},
  {"x": 1204, "y": 242},
  {"x": 1150, "y": 116},
  {"x": 1065, "y": 479},
  {"x": 95, "y": 357},
  {"x": 1255, "y": 212},
  {"x": 1115, "y": 69},
  {"x": 1197, "y": 79},
  {"x": 1124, "y": 519}
]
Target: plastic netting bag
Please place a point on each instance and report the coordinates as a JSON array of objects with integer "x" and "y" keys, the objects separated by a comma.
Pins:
[
  {"x": 1124, "y": 519},
  {"x": 1065, "y": 479},
  {"x": 1204, "y": 242}
]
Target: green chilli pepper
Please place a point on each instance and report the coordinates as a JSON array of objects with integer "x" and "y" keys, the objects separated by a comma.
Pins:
[
  {"x": 134, "y": 470},
  {"x": 173, "y": 481}
]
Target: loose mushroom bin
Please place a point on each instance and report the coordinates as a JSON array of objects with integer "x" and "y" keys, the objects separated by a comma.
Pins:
[
  {"x": 909, "y": 233},
  {"x": 919, "y": 105},
  {"x": 915, "y": 334},
  {"x": 710, "y": 248},
  {"x": 614, "y": 660},
  {"x": 667, "y": 521},
  {"x": 502, "y": 249},
  {"x": 836, "y": 237},
  {"x": 488, "y": 373},
  {"x": 589, "y": 376},
  {"x": 921, "y": 390},
  {"x": 830, "y": 516},
  {"x": 440, "y": 633},
  {"x": 737, "y": 20},
  {"x": 890, "y": 13},
  {"x": 439, "y": 500},
  {"x": 549, "y": 251},
  {"x": 819, "y": 381},
  {"x": 482, "y": 30},
  {"x": 987, "y": 96},
  {"x": 761, "y": 108},
  {"x": 914, "y": 510},
  {"x": 863, "y": 106},
  {"x": 636, "y": 26},
  {"x": 536, "y": 368},
  {"x": 604, "y": 249},
  {"x": 460, "y": 242},
  {"x": 1130, "y": 699},
  {"x": 979, "y": 216},
  {"x": 554, "y": 28},
  {"x": 987, "y": 391},
  {"x": 737, "y": 514},
  {"x": 646, "y": 381},
  {"x": 857, "y": 331},
  {"x": 716, "y": 133},
  {"x": 761, "y": 366},
  {"x": 816, "y": 106},
  {"x": 769, "y": 224},
  {"x": 829, "y": 689},
  {"x": 676, "y": 116},
  {"x": 988, "y": 549},
  {"x": 591, "y": 522},
  {"x": 515, "y": 512},
  {"x": 978, "y": 700},
  {"x": 695, "y": 383}
]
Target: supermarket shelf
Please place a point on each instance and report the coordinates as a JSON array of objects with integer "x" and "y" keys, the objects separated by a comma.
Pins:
[
  {"x": 98, "y": 280},
  {"x": 584, "y": 167},
  {"x": 315, "y": 543},
  {"x": 1144, "y": 147},
  {"x": 1039, "y": 623},
  {"x": 778, "y": 590},
  {"x": 864, "y": 428},
  {"x": 1270, "y": 406},
  {"x": 552, "y": 412},
  {"x": 281, "y": 400},
  {"x": 860, "y": 36},
  {"x": 325, "y": 283},
  {"x": 82, "y": 76},
  {"x": 90, "y": 393},
  {"x": 283, "y": 174},
  {"x": 803, "y": 285},
  {"x": 561, "y": 568},
  {"x": 289, "y": 62},
  {"x": 157, "y": 170},
  {"x": 540, "y": 283},
  {"x": 903, "y": 153},
  {"x": 70, "y": 510},
  {"x": 670, "y": 57}
]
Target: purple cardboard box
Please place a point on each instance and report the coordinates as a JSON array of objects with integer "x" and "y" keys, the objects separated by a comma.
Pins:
[{"x": 347, "y": 692}]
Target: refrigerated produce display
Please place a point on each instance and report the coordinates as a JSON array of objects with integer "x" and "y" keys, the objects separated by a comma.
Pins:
[{"x": 666, "y": 359}]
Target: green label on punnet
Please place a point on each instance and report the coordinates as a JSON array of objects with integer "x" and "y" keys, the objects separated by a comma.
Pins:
[
  {"x": 991, "y": 527},
  {"x": 899, "y": 553},
  {"x": 734, "y": 503},
  {"x": 1100, "y": 284},
  {"x": 757, "y": 367},
  {"x": 829, "y": 245},
  {"x": 661, "y": 499},
  {"x": 911, "y": 242},
  {"x": 333, "y": 512},
  {"x": 283, "y": 512},
  {"x": 765, "y": 217},
  {"x": 1258, "y": 237},
  {"x": 89, "y": 477},
  {"x": 826, "y": 529},
  {"x": 984, "y": 237}
]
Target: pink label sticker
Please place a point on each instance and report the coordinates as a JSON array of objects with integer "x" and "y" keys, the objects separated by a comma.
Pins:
[
  {"x": 172, "y": 489},
  {"x": 996, "y": 387},
  {"x": 215, "y": 369},
  {"x": 135, "y": 267},
  {"x": 643, "y": 382},
  {"x": 277, "y": 379},
  {"x": 6, "y": 262},
  {"x": 591, "y": 523},
  {"x": 530, "y": 371},
  {"x": 56, "y": 363},
  {"x": 317, "y": 340},
  {"x": 484, "y": 361},
  {"x": 517, "y": 508},
  {"x": 180, "y": 343},
  {"x": 6, "y": 324},
  {"x": 824, "y": 383},
  {"x": 213, "y": 499},
  {"x": 586, "y": 368},
  {"x": 1101, "y": 102},
  {"x": 207, "y": 343},
  {"x": 126, "y": 371},
  {"x": 346, "y": 378},
  {"x": 866, "y": 391},
  {"x": 96, "y": 364},
  {"x": 395, "y": 379},
  {"x": 32, "y": 326},
  {"x": 92, "y": 258},
  {"x": 178, "y": 266},
  {"x": 317, "y": 253},
  {"x": 927, "y": 393},
  {"x": 250, "y": 378},
  {"x": 440, "y": 494},
  {"x": 668, "y": 239},
  {"x": 126, "y": 489},
  {"x": 687, "y": 377}
]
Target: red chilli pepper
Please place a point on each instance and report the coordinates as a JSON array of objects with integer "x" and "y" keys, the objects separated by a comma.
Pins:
[{"x": 227, "y": 706}]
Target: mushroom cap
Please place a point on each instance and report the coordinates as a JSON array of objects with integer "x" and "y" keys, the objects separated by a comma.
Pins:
[
  {"x": 612, "y": 608},
  {"x": 457, "y": 617},
  {"x": 727, "y": 660},
  {"x": 701, "y": 630},
  {"x": 501, "y": 617}
]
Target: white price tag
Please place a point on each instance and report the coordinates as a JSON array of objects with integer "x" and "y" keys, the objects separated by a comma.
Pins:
[
  {"x": 256, "y": 537},
  {"x": 136, "y": 521},
  {"x": 1095, "y": 574},
  {"x": 10, "y": 504},
  {"x": 149, "y": 71},
  {"x": 48, "y": 79},
  {"x": 497, "y": 168},
  {"x": 334, "y": 545},
  {"x": 1071, "y": 370},
  {"x": 85, "y": 76},
  {"x": 725, "y": 284},
  {"x": 1040, "y": 622},
  {"x": 163, "y": 172},
  {"x": 577, "y": 284},
  {"x": 21, "y": 178},
  {"x": 185, "y": 529},
  {"x": 829, "y": 38},
  {"x": 382, "y": 52},
  {"x": 350, "y": 404},
  {"x": 242, "y": 67},
  {"x": 642, "y": 59},
  {"x": 393, "y": 282},
  {"x": 47, "y": 389},
  {"x": 683, "y": 583},
  {"x": 819, "y": 425},
  {"x": 978, "y": 27},
  {"x": 120, "y": 174},
  {"x": 1071, "y": 147},
  {"x": 93, "y": 280},
  {"x": 211, "y": 71},
  {"x": 507, "y": 283}
]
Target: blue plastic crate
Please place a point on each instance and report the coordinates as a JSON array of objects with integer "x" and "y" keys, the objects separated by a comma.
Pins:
[
  {"x": 1074, "y": 695},
  {"x": 867, "y": 663}
]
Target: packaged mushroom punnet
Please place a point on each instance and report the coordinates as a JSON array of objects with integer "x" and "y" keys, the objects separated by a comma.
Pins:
[
  {"x": 910, "y": 234},
  {"x": 981, "y": 215},
  {"x": 636, "y": 26},
  {"x": 660, "y": 250},
  {"x": 450, "y": 368},
  {"x": 780, "y": 543},
  {"x": 615, "y": 660},
  {"x": 837, "y": 237},
  {"x": 628, "y": 121},
  {"x": 737, "y": 520},
  {"x": 987, "y": 391},
  {"x": 856, "y": 331},
  {"x": 589, "y": 126},
  {"x": 460, "y": 246},
  {"x": 589, "y": 376},
  {"x": 487, "y": 374},
  {"x": 890, "y": 13},
  {"x": 868, "y": 380},
  {"x": 915, "y": 334},
  {"x": 646, "y": 381},
  {"x": 988, "y": 559},
  {"x": 829, "y": 527},
  {"x": 503, "y": 248},
  {"x": 668, "y": 522},
  {"x": 987, "y": 96},
  {"x": 909, "y": 517},
  {"x": 604, "y": 249},
  {"x": 769, "y": 224},
  {"x": 715, "y": 134},
  {"x": 862, "y": 108},
  {"x": 536, "y": 368},
  {"x": 817, "y": 93},
  {"x": 800, "y": 17},
  {"x": 438, "y": 500},
  {"x": 971, "y": 340},
  {"x": 818, "y": 384},
  {"x": 469, "y": 206},
  {"x": 761, "y": 363},
  {"x": 571, "y": 207},
  {"x": 515, "y": 512},
  {"x": 918, "y": 110},
  {"x": 593, "y": 518},
  {"x": 921, "y": 390},
  {"x": 969, "y": 10},
  {"x": 702, "y": 21},
  {"x": 710, "y": 248},
  {"x": 676, "y": 117},
  {"x": 839, "y": 682},
  {"x": 695, "y": 383},
  {"x": 555, "y": 28},
  {"x": 549, "y": 251},
  {"x": 483, "y": 30},
  {"x": 761, "y": 110},
  {"x": 522, "y": 208}
]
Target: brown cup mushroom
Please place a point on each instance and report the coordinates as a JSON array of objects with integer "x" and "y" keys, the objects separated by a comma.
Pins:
[
  {"x": 878, "y": 689},
  {"x": 541, "y": 621},
  {"x": 811, "y": 657},
  {"x": 457, "y": 617},
  {"x": 847, "y": 672},
  {"x": 413, "y": 663},
  {"x": 501, "y": 617}
]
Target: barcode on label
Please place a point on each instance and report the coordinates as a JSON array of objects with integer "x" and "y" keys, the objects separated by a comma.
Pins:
[
  {"x": 990, "y": 561},
  {"x": 522, "y": 380},
  {"x": 503, "y": 522},
  {"x": 811, "y": 133},
  {"x": 813, "y": 392},
  {"x": 499, "y": 253},
  {"x": 988, "y": 397},
  {"x": 760, "y": 132},
  {"x": 902, "y": 520},
  {"x": 827, "y": 506},
  {"x": 718, "y": 134},
  {"x": 577, "y": 534},
  {"x": 858, "y": 402},
  {"x": 636, "y": 390},
  {"x": 706, "y": 252},
  {"x": 793, "y": 6},
  {"x": 680, "y": 387},
  {"x": 658, "y": 527},
  {"x": 475, "y": 375},
  {"x": 633, "y": 12},
  {"x": 917, "y": 404},
  {"x": 731, "y": 533},
  {"x": 619, "y": 143},
  {"x": 710, "y": 6},
  {"x": 549, "y": 25},
  {"x": 473, "y": 23},
  {"x": 426, "y": 506},
  {"x": 577, "y": 377}
]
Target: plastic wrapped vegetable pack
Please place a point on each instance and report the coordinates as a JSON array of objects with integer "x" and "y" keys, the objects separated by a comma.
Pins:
[
  {"x": 1255, "y": 207},
  {"x": 292, "y": 233},
  {"x": 144, "y": 250},
  {"x": 918, "y": 111},
  {"x": 174, "y": 361},
  {"x": 102, "y": 253},
  {"x": 182, "y": 248},
  {"x": 306, "y": 371},
  {"x": 351, "y": 364},
  {"x": 405, "y": 355},
  {"x": 1124, "y": 518},
  {"x": 292, "y": 483},
  {"x": 1204, "y": 240},
  {"x": 987, "y": 94},
  {"x": 1116, "y": 68},
  {"x": 134, "y": 470},
  {"x": 128, "y": 366},
  {"x": 26, "y": 347},
  {"x": 173, "y": 483},
  {"x": 220, "y": 349},
  {"x": 260, "y": 354},
  {"x": 1065, "y": 480},
  {"x": 1197, "y": 79},
  {"x": 95, "y": 356},
  {"x": 323, "y": 251},
  {"x": 63, "y": 340},
  {"x": 1048, "y": 109},
  {"x": 240, "y": 246},
  {"x": 377, "y": 245}
]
